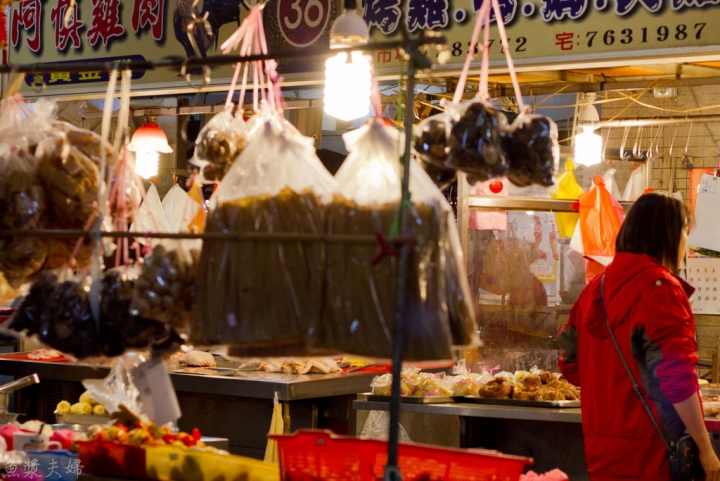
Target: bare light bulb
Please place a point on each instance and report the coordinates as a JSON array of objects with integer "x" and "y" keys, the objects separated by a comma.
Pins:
[
  {"x": 588, "y": 147},
  {"x": 347, "y": 86},
  {"x": 146, "y": 163}
]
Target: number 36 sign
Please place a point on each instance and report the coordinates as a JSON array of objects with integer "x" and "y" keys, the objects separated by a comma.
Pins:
[{"x": 302, "y": 22}]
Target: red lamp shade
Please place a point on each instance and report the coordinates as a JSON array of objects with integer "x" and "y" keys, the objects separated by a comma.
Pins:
[{"x": 150, "y": 138}]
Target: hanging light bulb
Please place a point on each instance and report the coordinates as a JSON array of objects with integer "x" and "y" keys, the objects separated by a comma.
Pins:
[
  {"x": 348, "y": 78},
  {"x": 588, "y": 147},
  {"x": 348, "y": 84},
  {"x": 588, "y": 144},
  {"x": 148, "y": 142}
]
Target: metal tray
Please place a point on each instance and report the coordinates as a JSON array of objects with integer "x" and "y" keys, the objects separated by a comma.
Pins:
[
  {"x": 219, "y": 371},
  {"x": 520, "y": 402},
  {"x": 416, "y": 400},
  {"x": 85, "y": 419}
]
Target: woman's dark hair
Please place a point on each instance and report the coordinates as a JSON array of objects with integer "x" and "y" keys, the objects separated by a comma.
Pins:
[{"x": 654, "y": 227}]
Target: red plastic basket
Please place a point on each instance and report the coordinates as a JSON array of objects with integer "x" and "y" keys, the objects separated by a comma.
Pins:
[
  {"x": 320, "y": 455},
  {"x": 112, "y": 459}
]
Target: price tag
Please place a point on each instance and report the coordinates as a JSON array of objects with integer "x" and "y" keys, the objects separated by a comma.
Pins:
[{"x": 157, "y": 394}]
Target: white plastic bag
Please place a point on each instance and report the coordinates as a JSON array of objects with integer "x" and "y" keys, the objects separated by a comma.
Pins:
[
  {"x": 361, "y": 287},
  {"x": 151, "y": 216},
  {"x": 635, "y": 186},
  {"x": 377, "y": 426},
  {"x": 179, "y": 209},
  {"x": 611, "y": 184},
  {"x": 262, "y": 297}
]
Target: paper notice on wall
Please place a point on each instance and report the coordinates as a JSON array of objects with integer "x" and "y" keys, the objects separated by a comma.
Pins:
[
  {"x": 706, "y": 232},
  {"x": 703, "y": 273}
]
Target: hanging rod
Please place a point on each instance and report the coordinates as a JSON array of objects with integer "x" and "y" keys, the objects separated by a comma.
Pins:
[
  {"x": 179, "y": 63},
  {"x": 652, "y": 121},
  {"x": 231, "y": 236}
]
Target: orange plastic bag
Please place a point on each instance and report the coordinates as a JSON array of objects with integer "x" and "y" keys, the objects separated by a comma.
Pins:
[{"x": 600, "y": 219}]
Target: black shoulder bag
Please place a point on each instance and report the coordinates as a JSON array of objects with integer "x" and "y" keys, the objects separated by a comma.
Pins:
[{"x": 683, "y": 453}]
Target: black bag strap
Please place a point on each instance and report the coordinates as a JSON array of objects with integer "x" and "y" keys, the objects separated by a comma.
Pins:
[{"x": 635, "y": 386}]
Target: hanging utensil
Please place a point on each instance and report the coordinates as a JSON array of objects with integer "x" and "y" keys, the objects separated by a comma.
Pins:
[
  {"x": 638, "y": 144},
  {"x": 687, "y": 158},
  {"x": 622, "y": 144}
]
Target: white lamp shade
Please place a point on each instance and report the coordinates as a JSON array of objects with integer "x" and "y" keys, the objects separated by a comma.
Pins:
[
  {"x": 349, "y": 30},
  {"x": 150, "y": 138}
]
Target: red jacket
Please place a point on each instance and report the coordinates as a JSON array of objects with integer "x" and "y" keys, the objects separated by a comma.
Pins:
[{"x": 652, "y": 320}]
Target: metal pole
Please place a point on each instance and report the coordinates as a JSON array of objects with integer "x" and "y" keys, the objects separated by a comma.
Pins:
[{"x": 392, "y": 471}]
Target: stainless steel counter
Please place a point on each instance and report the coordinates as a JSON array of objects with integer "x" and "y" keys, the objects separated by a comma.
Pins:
[
  {"x": 236, "y": 407},
  {"x": 566, "y": 415},
  {"x": 551, "y": 436},
  {"x": 249, "y": 384}
]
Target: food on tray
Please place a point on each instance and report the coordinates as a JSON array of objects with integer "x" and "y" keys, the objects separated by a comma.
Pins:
[
  {"x": 165, "y": 289},
  {"x": 295, "y": 366},
  {"x": 85, "y": 405},
  {"x": 414, "y": 384},
  {"x": 145, "y": 434},
  {"x": 81, "y": 408},
  {"x": 467, "y": 385},
  {"x": 197, "y": 370},
  {"x": 198, "y": 359},
  {"x": 41, "y": 354},
  {"x": 527, "y": 387},
  {"x": 497, "y": 388},
  {"x": 63, "y": 407}
]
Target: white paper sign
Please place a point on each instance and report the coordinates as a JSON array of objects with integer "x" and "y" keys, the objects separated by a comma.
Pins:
[
  {"x": 157, "y": 393},
  {"x": 706, "y": 232},
  {"x": 703, "y": 274}
]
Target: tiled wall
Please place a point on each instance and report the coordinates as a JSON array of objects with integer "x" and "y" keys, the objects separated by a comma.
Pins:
[{"x": 702, "y": 147}]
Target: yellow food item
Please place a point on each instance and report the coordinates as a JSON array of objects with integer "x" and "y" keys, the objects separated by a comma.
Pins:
[
  {"x": 81, "y": 408},
  {"x": 99, "y": 409},
  {"x": 63, "y": 407},
  {"x": 86, "y": 397}
]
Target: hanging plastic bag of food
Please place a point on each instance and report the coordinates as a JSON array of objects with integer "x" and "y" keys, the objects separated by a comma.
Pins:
[
  {"x": 532, "y": 149},
  {"x": 262, "y": 295},
  {"x": 218, "y": 144},
  {"x": 22, "y": 197},
  {"x": 476, "y": 141},
  {"x": 57, "y": 311},
  {"x": 361, "y": 286},
  {"x": 567, "y": 188}
]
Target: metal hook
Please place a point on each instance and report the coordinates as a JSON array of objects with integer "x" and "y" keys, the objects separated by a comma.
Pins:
[
  {"x": 636, "y": 151},
  {"x": 687, "y": 143},
  {"x": 672, "y": 142},
  {"x": 622, "y": 144},
  {"x": 43, "y": 86},
  {"x": 207, "y": 75}
]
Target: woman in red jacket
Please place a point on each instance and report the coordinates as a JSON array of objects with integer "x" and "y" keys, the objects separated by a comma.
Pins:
[{"x": 650, "y": 315}]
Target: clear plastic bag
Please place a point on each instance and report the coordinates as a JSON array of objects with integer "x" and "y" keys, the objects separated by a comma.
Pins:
[
  {"x": 532, "y": 150},
  {"x": 476, "y": 141},
  {"x": 361, "y": 291},
  {"x": 165, "y": 289},
  {"x": 22, "y": 197},
  {"x": 431, "y": 140},
  {"x": 263, "y": 296},
  {"x": 57, "y": 310},
  {"x": 218, "y": 144},
  {"x": 118, "y": 388},
  {"x": 377, "y": 426}
]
